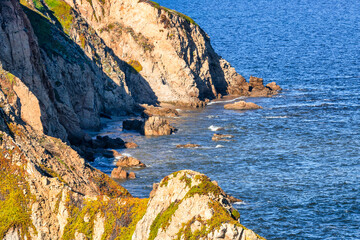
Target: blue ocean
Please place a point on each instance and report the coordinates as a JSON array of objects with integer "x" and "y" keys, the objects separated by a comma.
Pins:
[{"x": 296, "y": 162}]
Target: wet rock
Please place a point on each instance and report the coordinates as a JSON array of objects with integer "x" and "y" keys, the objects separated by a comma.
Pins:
[
  {"x": 119, "y": 173},
  {"x": 157, "y": 126},
  {"x": 222, "y": 137},
  {"x": 257, "y": 88},
  {"x": 132, "y": 175},
  {"x": 126, "y": 161},
  {"x": 189, "y": 145},
  {"x": 107, "y": 142},
  {"x": 135, "y": 125},
  {"x": 273, "y": 86},
  {"x": 242, "y": 105},
  {"x": 131, "y": 145}
]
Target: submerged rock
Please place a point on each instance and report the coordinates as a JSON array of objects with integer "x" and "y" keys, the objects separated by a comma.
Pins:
[
  {"x": 189, "y": 145},
  {"x": 242, "y": 105},
  {"x": 222, "y": 137}
]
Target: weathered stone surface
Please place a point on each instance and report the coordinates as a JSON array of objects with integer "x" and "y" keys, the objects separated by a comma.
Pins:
[
  {"x": 119, "y": 173},
  {"x": 242, "y": 105},
  {"x": 222, "y": 137},
  {"x": 157, "y": 126},
  {"x": 150, "y": 111},
  {"x": 273, "y": 86},
  {"x": 192, "y": 201},
  {"x": 189, "y": 145},
  {"x": 126, "y": 161},
  {"x": 131, "y": 145}
]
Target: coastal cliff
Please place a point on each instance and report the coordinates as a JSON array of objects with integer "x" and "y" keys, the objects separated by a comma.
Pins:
[{"x": 63, "y": 64}]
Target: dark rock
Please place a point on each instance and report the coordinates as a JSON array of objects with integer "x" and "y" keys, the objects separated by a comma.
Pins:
[{"x": 135, "y": 125}]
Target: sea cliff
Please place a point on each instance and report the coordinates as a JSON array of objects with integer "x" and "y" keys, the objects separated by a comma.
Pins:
[{"x": 63, "y": 65}]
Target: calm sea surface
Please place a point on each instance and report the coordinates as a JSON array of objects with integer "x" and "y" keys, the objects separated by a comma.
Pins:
[{"x": 295, "y": 163}]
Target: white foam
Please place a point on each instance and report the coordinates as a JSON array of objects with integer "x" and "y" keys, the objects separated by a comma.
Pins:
[
  {"x": 240, "y": 203},
  {"x": 214, "y": 128},
  {"x": 219, "y": 146},
  {"x": 225, "y": 101}
]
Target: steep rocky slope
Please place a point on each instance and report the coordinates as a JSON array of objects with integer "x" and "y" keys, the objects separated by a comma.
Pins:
[{"x": 58, "y": 74}]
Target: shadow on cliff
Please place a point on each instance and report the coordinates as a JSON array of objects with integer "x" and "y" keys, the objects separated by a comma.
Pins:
[
  {"x": 55, "y": 43},
  {"x": 218, "y": 80}
]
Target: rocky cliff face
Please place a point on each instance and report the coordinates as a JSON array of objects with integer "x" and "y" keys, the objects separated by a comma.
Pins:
[{"x": 62, "y": 64}]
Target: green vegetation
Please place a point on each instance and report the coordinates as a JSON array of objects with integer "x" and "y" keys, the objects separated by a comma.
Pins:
[
  {"x": 15, "y": 197},
  {"x": 135, "y": 65},
  {"x": 8, "y": 80},
  {"x": 162, "y": 220},
  {"x": 63, "y": 13},
  {"x": 186, "y": 179},
  {"x": 120, "y": 216},
  {"x": 205, "y": 187},
  {"x": 109, "y": 187},
  {"x": 235, "y": 214},
  {"x": 170, "y": 11}
]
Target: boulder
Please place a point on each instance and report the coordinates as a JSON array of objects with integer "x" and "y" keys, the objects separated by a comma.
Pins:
[
  {"x": 135, "y": 125},
  {"x": 157, "y": 126},
  {"x": 189, "y": 145},
  {"x": 119, "y": 173},
  {"x": 132, "y": 175},
  {"x": 273, "y": 86},
  {"x": 222, "y": 137},
  {"x": 242, "y": 105},
  {"x": 126, "y": 161},
  {"x": 131, "y": 145}
]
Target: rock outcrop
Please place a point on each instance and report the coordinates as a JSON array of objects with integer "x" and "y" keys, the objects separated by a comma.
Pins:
[
  {"x": 157, "y": 126},
  {"x": 242, "y": 105},
  {"x": 187, "y": 205},
  {"x": 126, "y": 161},
  {"x": 151, "y": 126}
]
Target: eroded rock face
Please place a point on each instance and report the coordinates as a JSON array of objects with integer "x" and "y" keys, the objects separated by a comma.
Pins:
[
  {"x": 188, "y": 203},
  {"x": 242, "y": 105}
]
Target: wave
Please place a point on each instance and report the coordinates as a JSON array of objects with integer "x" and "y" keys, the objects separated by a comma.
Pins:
[
  {"x": 219, "y": 146},
  {"x": 274, "y": 117},
  {"x": 215, "y": 128},
  {"x": 225, "y": 101}
]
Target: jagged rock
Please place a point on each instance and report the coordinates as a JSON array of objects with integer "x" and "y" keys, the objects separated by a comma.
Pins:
[
  {"x": 156, "y": 126},
  {"x": 126, "y": 161},
  {"x": 222, "y": 137},
  {"x": 273, "y": 86},
  {"x": 119, "y": 173},
  {"x": 189, "y": 145},
  {"x": 131, "y": 145},
  {"x": 257, "y": 88},
  {"x": 242, "y": 105},
  {"x": 132, "y": 175},
  {"x": 150, "y": 111},
  {"x": 135, "y": 125}
]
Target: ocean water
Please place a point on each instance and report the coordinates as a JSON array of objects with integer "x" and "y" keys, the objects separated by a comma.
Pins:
[{"x": 296, "y": 162}]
